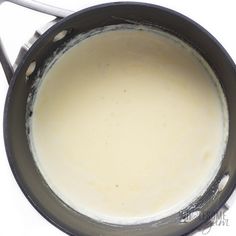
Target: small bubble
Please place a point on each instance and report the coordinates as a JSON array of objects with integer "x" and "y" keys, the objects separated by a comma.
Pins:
[
  {"x": 117, "y": 185},
  {"x": 206, "y": 156},
  {"x": 28, "y": 130}
]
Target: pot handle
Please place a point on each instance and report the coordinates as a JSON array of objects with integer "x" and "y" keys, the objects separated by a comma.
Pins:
[
  {"x": 6, "y": 64},
  {"x": 42, "y": 7},
  {"x": 33, "y": 5}
]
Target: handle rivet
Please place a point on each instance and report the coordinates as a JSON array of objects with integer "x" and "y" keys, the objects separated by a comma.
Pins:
[
  {"x": 60, "y": 35},
  {"x": 223, "y": 182},
  {"x": 31, "y": 68}
]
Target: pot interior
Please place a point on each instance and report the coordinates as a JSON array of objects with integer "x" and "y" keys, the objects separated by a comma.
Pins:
[{"x": 23, "y": 88}]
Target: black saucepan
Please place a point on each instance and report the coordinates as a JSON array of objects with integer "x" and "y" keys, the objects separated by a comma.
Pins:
[{"x": 21, "y": 85}]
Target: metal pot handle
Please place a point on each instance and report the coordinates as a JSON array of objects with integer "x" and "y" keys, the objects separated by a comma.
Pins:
[
  {"x": 42, "y": 7},
  {"x": 6, "y": 64},
  {"x": 33, "y": 5}
]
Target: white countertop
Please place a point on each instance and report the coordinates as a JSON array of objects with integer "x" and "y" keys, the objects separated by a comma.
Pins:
[{"x": 17, "y": 24}]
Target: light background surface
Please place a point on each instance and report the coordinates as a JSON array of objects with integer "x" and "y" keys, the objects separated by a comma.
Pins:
[{"x": 17, "y": 24}]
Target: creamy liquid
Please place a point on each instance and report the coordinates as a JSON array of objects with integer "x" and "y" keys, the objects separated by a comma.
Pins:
[{"x": 129, "y": 126}]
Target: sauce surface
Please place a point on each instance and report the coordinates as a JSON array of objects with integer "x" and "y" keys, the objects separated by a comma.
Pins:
[{"x": 129, "y": 125}]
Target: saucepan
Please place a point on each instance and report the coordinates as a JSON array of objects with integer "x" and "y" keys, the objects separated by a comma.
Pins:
[{"x": 21, "y": 84}]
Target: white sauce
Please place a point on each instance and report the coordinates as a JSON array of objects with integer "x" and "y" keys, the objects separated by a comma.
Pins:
[{"x": 129, "y": 126}]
